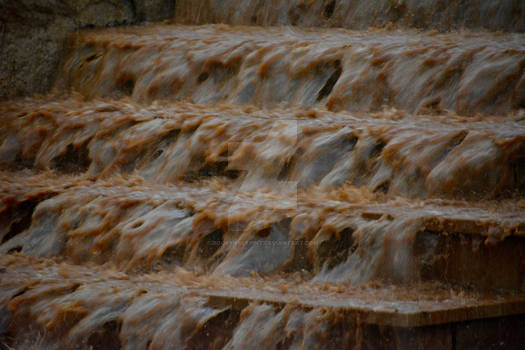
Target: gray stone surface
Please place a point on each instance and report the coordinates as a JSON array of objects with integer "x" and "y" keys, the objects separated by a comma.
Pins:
[{"x": 33, "y": 35}]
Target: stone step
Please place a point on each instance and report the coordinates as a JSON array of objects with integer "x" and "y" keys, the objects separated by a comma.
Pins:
[
  {"x": 53, "y": 304},
  {"x": 337, "y": 69},
  {"x": 391, "y": 153},
  {"x": 337, "y": 236}
]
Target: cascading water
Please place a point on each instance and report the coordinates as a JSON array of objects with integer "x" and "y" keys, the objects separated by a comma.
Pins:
[{"x": 224, "y": 186}]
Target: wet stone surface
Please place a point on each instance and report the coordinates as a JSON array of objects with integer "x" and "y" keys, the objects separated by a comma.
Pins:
[{"x": 225, "y": 186}]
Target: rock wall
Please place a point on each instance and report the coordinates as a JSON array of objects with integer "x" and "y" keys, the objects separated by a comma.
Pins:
[
  {"x": 443, "y": 15},
  {"x": 33, "y": 35}
]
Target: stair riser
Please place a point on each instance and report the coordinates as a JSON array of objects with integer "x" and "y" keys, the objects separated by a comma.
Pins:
[
  {"x": 406, "y": 158},
  {"x": 268, "y": 68}
]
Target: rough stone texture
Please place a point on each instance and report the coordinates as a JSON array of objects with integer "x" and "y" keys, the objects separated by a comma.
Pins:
[
  {"x": 442, "y": 15},
  {"x": 33, "y": 34},
  {"x": 154, "y": 10}
]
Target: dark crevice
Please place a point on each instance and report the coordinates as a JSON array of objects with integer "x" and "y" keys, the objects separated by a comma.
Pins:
[
  {"x": 210, "y": 244},
  {"x": 20, "y": 217},
  {"x": 330, "y": 83},
  {"x": 74, "y": 160},
  {"x": 203, "y": 77},
  {"x": 17, "y": 227},
  {"x": 397, "y": 11},
  {"x": 383, "y": 187},
  {"x": 431, "y": 105},
  {"x": 19, "y": 293},
  {"x": 286, "y": 169},
  {"x": 209, "y": 170},
  {"x": 227, "y": 153},
  {"x": 518, "y": 173},
  {"x": 265, "y": 232},
  {"x": 232, "y": 174},
  {"x": 378, "y": 148},
  {"x": 174, "y": 255},
  {"x": 285, "y": 224},
  {"x": 136, "y": 17},
  {"x": 300, "y": 259},
  {"x": 171, "y": 136},
  {"x": 218, "y": 168},
  {"x": 329, "y": 9},
  {"x": 24, "y": 212},
  {"x": 137, "y": 224},
  {"x": 126, "y": 85},
  {"x": 276, "y": 306},
  {"x": 24, "y": 163},
  {"x": 74, "y": 288},
  {"x": 157, "y": 154},
  {"x": 92, "y": 57},
  {"x": 371, "y": 216},
  {"x": 190, "y": 177},
  {"x": 293, "y": 16},
  {"x": 286, "y": 343},
  {"x": 453, "y": 336},
  {"x": 7, "y": 339},
  {"x": 106, "y": 337},
  {"x": 13, "y": 250},
  {"x": 87, "y": 26},
  {"x": 349, "y": 142},
  {"x": 335, "y": 251},
  {"x": 216, "y": 332}
]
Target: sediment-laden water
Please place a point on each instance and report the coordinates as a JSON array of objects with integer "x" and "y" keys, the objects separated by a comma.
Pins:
[{"x": 226, "y": 186}]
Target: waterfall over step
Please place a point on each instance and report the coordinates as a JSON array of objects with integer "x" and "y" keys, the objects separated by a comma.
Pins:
[{"x": 263, "y": 174}]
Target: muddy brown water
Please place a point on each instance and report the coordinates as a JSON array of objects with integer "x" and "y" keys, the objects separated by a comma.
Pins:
[{"x": 231, "y": 186}]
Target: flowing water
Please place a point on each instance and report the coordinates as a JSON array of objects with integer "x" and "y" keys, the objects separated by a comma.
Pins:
[{"x": 212, "y": 186}]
